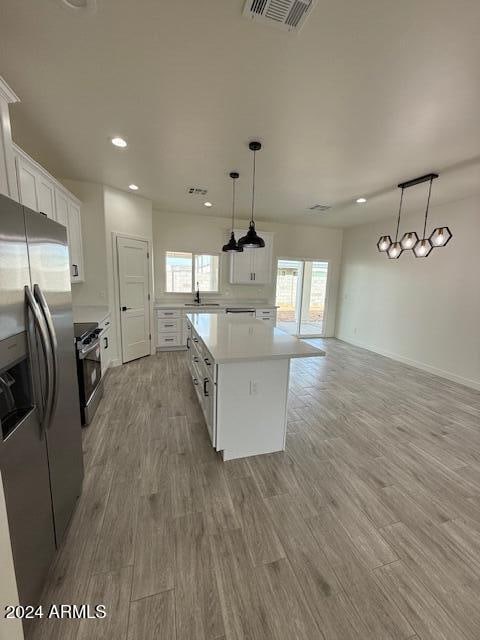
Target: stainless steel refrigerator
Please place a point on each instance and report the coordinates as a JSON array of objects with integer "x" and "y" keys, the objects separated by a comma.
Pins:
[{"x": 41, "y": 460}]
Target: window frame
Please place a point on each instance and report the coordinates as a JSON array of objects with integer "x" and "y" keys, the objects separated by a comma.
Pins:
[{"x": 218, "y": 292}]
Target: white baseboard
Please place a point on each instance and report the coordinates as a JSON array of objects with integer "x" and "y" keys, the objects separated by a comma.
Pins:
[
  {"x": 473, "y": 384},
  {"x": 115, "y": 363}
]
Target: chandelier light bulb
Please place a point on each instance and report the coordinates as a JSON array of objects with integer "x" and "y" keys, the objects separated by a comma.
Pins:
[
  {"x": 422, "y": 248},
  {"x": 394, "y": 250},
  {"x": 408, "y": 240},
  {"x": 383, "y": 243},
  {"x": 440, "y": 236}
]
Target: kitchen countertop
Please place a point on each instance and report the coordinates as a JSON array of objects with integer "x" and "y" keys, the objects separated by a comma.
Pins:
[
  {"x": 239, "y": 339},
  {"x": 221, "y": 304},
  {"x": 92, "y": 313}
]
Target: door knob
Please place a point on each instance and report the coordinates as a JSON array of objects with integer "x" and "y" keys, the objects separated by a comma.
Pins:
[{"x": 126, "y": 308}]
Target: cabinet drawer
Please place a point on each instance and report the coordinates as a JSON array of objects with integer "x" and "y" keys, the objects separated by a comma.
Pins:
[
  {"x": 173, "y": 325},
  {"x": 267, "y": 320},
  {"x": 169, "y": 340},
  {"x": 168, "y": 313}
]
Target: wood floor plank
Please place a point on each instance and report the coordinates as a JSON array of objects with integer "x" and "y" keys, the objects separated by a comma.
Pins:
[
  {"x": 153, "y": 618},
  {"x": 153, "y": 570},
  {"x": 253, "y": 517},
  {"x": 243, "y": 604},
  {"x": 115, "y": 547},
  {"x": 288, "y": 614},
  {"x": 113, "y": 590},
  {"x": 197, "y": 604},
  {"x": 417, "y": 603},
  {"x": 305, "y": 555}
]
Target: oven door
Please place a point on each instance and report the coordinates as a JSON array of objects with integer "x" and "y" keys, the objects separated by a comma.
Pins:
[{"x": 90, "y": 371}]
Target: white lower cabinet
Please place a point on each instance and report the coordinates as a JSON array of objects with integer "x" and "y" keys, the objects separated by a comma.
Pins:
[
  {"x": 105, "y": 349},
  {"x": 203, "y": 372},
  {"x": 38, "y": 190},
  {"x": 170, "y": 329}
]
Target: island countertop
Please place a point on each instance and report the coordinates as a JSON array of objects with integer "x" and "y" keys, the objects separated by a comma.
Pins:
[{"x": 239, "y": 339}]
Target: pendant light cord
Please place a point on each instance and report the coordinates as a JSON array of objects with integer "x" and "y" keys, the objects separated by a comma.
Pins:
[
  {"x": 253, "y": 188},
  {"x": 426, "y": 210},
  {"x": 399, "y": 214}
]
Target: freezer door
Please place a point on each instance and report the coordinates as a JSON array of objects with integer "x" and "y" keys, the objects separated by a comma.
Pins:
[
  {"x": 24, "y": 467},
  {"x": 14, "y": 274},
  {"x": 49, "y": 270}
]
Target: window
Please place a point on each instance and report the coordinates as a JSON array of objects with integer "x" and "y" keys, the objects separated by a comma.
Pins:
[
  {"x": 179, "y": 272},
  {"x": 184, "y": 270},
  {"x": 206, "y": 272}
]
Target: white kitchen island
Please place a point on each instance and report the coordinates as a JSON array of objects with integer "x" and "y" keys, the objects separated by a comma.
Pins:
[{"x": 240, "y": 370}]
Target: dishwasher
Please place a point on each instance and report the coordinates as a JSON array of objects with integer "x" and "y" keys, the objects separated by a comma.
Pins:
[{"x": 241, "y": 311}]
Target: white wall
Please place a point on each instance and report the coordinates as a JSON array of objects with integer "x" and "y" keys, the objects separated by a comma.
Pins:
[
  {"x": 425, "y": 312},
  {"x": 187, "y": 232},
  {"x": 131, "y": 215},
  {"x": 94, "y": 291},
  {"x": 9, "y": 629}
]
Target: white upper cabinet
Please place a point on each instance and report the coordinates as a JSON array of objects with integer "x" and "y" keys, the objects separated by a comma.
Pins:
[
  {"x": 39, "y": 191},
  {"x": 27, "y": 183},
  {"x": 46, "y": 196},
  {"x": 75, "y": 242},
  {"x": 253, "y": 266}
]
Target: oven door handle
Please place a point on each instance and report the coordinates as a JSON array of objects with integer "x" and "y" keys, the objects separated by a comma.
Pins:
[
  {"x": 82, "y": 354},
  {"x": 40, "y": 298},
  {"x": 43, "y": 334}
]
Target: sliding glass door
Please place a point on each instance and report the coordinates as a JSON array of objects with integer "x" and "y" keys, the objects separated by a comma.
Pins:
[{"x": 301, "y": 297}]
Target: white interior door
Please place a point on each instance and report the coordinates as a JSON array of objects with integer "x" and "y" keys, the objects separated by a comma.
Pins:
[{"x": 134, "y": 306}]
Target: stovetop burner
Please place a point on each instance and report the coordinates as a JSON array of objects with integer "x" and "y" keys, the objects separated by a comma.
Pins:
[{"x": 82, "y": 329}]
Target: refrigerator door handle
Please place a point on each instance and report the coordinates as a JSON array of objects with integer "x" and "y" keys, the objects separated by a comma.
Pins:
[
  {"x": 42, "y": 332},
  {"x": 40, "y": 298}
]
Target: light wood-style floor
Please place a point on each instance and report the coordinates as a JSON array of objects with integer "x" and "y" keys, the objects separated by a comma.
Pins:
[{"x": 366, "y": 528}]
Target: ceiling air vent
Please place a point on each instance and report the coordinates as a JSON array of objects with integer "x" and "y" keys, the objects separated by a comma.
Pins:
[
  {"x": 319, "y": 208},
  {"x": 197, "y": 191},
  {"x": 289, "y": 15}
]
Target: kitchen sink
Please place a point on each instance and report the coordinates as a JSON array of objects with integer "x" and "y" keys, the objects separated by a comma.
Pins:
[{"x": 202, "y": 304}]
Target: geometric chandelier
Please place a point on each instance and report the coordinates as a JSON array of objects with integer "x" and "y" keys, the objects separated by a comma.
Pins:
[{"x": 423, "y": 246}]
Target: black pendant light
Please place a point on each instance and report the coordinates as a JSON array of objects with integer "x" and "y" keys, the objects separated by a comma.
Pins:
[
  {"x": 232, "y": 246},
  {"x": 251, "y": 240}
]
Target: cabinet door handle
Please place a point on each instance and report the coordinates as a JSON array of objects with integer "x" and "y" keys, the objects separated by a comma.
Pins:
[
  {"x": 169, "y": 339},
  {"x": 195, "y": 358},
  {"x": 207, "y": 361},
  {"x": 195, "y": 381},
  {"x": 169, "y": 325},
  {"x": 188, "y": 342},
  {"x": 205, "y": 382},
  {"x": 105, "y": 342},
  {"x": 75, "y": 270},
  {"x": 254, "y": 275},
  {"x": 195, "y": 339}
]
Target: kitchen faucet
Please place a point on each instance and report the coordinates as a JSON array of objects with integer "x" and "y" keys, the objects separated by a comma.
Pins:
[{"x": 197, "y": 295}]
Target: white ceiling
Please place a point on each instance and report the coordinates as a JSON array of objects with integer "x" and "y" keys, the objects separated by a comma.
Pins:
[{"x": 366, "y": 95}]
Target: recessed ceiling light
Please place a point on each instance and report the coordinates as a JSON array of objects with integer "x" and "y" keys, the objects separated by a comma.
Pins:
[
  {"x": 360, "y": 200},
  {"x": 119, "y": 142},
  {"x": 133, "y": 187},
  {"x": 208, "y": 204}
]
